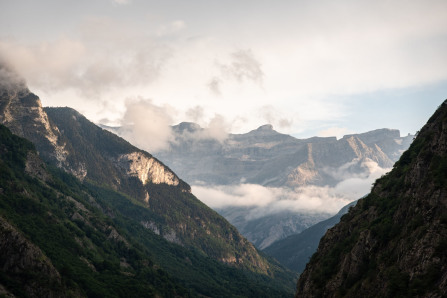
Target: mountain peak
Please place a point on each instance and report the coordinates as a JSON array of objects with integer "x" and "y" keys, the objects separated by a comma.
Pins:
[
  {"x": 186, "y": 126},
  {"x": 265, "y": 127}
]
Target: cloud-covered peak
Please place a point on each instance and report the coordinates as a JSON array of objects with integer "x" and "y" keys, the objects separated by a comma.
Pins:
[
  {"x": 9, "y": 79},
  {"x": 266, "y": 127},
  {"x": 190, "y": 127}
]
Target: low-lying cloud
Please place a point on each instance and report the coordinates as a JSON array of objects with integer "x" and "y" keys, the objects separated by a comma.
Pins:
[
  {"x": 273, "y": 116},
  {"x": 262, "y": 201},
  {"x": 8, "y": 77},
  {"x": 146, "y": 125},
  {"x": 217, "y": 128},
  {"x": 149, "y": 126}
]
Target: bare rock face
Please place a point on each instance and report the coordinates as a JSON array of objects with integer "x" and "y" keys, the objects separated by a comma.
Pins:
[
  {"x": 393, "y": 242},
  {"x": 21, "y": 111},
  {"x": 264, "y": 156},
  {"x": 59, "y": 143},
  {"x": 146, "y": 169}
]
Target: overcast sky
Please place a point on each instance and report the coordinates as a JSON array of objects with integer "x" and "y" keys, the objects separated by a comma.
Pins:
[{"x": 307, "y": 67}]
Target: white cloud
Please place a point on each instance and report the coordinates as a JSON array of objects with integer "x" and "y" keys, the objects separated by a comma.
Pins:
[
  {"x": 292, "y": 56},
  {"x": 9, "y": 78},
  {"x": 273, "y": 116},
  {"x": 146, "y": 125},
  {"x": 261, "y": 200},
  {"x": 216, "y": 128},
  {"x": 195, "y": 114},
  {"x": 106, "y": 56},
  {"x": 243, "y": 65}
]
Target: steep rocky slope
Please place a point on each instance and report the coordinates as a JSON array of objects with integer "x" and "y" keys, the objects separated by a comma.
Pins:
[
  {"x": 63, "y": 238},
  {"x": 182, "y": 218},
  {"x": 130, "y": 180},
  {"x": 295, "y": 251},
  {"x": 393, "y": 242}
]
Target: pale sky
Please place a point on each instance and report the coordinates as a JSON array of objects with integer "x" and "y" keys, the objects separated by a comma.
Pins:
[{"x": 307, "y": 67}]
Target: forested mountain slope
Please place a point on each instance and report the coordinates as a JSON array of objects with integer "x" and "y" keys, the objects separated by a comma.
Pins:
[{"x": 295, "y": 251}]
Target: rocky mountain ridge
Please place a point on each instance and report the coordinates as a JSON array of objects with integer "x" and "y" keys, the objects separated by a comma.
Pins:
[
  {"x": 266, "y": 157},
  {"x": 393, "y": 242}
]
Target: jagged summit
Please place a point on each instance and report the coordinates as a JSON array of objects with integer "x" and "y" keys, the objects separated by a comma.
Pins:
[{"x": 393, "y": 242}]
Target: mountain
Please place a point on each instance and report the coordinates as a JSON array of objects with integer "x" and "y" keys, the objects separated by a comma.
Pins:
[
  {"x": 295, "y": 251},
  {"x": 266, "y": 157},
  {"x": 55, "y": 244},
  {"x": 393, "y": 243},
  {"x": 123, "y": 204},
  {"x": 265, "y": 230}
]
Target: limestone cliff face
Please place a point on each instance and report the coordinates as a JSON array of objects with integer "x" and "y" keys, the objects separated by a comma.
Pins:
[
  {"x": 147, "y": 169},
  {"x": 21, "y": 111},
  {"x": 264, "y": 156},
  {"x": 393, "y": 242}
]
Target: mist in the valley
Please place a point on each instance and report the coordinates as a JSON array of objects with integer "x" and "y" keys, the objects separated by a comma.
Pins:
[{"x": 262, "y": 201}]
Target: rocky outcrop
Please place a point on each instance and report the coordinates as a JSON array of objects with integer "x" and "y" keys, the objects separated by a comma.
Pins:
[
  {"x": 109, "y": 159},
  {"x": 147, "y": 169},
  {"x": 393, "y": 242},
  {"x": 22, "y": 112}
]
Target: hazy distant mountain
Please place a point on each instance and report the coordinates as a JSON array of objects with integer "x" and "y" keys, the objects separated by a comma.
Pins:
[
  {"x": 295, "y": 251},
  {"x": 266, "y": 157},
  {"x": 124, "y": 219},
  {"x": 393, "y": 242}
]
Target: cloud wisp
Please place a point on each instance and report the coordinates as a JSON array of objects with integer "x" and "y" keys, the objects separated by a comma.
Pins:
[
  {"x": 262, "y": 201},
  {"x": 150, "y": 126},
  {"x": 146, "y": 125}
]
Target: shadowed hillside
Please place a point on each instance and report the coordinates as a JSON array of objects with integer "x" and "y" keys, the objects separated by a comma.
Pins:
[{"x": 393, "y": 242}]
